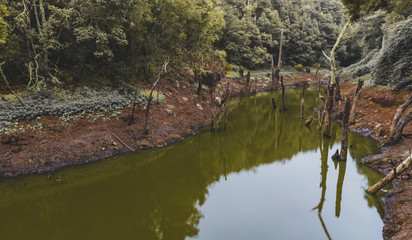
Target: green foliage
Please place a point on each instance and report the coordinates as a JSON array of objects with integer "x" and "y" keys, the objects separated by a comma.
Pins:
[
  {"x": 54, "y": 42},
  {"x": 3, "y": 24},
  {"x": 229, "y": 67}
]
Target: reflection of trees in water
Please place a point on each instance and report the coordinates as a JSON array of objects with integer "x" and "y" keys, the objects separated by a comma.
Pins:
[{"x": 160, "y": 190}]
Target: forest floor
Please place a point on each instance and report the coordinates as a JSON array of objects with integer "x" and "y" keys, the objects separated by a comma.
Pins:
[{"x": 81, "y": 141}]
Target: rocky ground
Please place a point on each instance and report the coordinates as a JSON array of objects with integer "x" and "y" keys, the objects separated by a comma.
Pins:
[{"x": 45, "y": 143}]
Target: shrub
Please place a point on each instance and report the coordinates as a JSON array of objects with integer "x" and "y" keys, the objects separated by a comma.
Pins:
[
  {"x": 229, "y": 67},
  {"x": 299, "y": 67}
]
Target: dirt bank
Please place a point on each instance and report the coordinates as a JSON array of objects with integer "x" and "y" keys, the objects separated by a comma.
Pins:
[{"x": 80, "y": 141}]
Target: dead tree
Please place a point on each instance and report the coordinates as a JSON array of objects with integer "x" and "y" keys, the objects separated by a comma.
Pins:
[
  {"x": 247, "y": 87},
  {"x": 358, "y": 92},
  {"x": 131, "y": 119},
  {"x": 336, "y": 96},
  {"x": 398, "y": 123},
  {"x": 284, "y": 108},
  {"x": 391, "y": 176},
  {"x": 200, "y": 80},
  {"x": 317, "y": 69},
  {"x": 302, "y": 101},
  {"x": 345, "y": 123},
  {"x": 277, "y": 73},
  {"x": 164, "y": 70}
]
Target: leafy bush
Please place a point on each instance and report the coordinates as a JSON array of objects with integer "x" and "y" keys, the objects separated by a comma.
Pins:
[
  {"x": 299, "y": 67},
  {"x": 229, "y": 67}
]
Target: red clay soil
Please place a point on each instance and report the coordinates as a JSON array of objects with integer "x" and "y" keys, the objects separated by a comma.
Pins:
[{"x": 83, "y": 141}]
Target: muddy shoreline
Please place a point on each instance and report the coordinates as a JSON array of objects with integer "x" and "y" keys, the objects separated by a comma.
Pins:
[{"x": 81, "y": 141}]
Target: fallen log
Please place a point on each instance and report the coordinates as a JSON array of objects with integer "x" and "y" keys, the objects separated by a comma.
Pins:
[
  {"x": 402, "y": 84},
  {"x": 399, "y": 113},
  {"x": 397, "y": 132},
  {"x": 390, "y": 177}
]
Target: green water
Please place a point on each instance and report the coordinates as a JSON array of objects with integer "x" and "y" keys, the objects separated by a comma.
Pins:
[{"x": 266, "y": 176}]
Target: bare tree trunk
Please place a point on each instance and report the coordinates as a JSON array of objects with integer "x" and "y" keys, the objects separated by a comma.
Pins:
[
  {"x": 390, "y": 177},
  {"x": 344, "y": 146},
  {"x": 397, "y": 132},
  {"x": 131, "y": 119},
  {"x": 331, "y": 58},
  {"x": 200, "y": 80},
  {"x": 337, "y": 96},
  {"x": 247, "y": 88},
  {"x": 358, "y": 93},
  {"x": 164, "y": 69},
  {"x": 277, "y": 73},
  {"x": 284, "y": 108},
  {"x": 302, "y": 102},
  {"x": 399, "y": 113}
]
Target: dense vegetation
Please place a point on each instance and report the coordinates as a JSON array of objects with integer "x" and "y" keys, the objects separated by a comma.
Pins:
[{"x": 56, "y": 42}]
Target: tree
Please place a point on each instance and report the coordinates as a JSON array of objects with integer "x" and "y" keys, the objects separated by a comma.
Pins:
[{"x": 3, "y": 24}]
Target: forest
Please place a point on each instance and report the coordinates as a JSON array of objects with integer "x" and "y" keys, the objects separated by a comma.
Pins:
[
  {"x": 206, "y": 119},
  {"x": 46, "y": 43}
]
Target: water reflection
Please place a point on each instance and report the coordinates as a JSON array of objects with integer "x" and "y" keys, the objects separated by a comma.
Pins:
[{"x": 262, "y": 171}]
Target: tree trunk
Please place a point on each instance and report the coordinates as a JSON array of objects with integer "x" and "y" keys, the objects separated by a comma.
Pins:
[
  {"x": 399, "y": 113},
  {"x": 358, "y": 93},
  {"x": 390, "y": 177},
  {"x": 283, "y": 94},
  {"x": 164, "y": 69},
  {"x": 337, "y": 96},
  {"x": 131, "y": 119},
  {"x": 277, "y": 73},
  {"x": 397, "y": 132},
  {"x": 200, "y": 80},
  {"x": 344, "y": 146},
  {"x": 332, "y": 53},
  {"x": 247, "y": 88}
]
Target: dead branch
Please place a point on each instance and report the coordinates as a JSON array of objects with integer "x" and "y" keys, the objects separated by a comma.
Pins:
[
  {"x": 390, "y": 177},
  {"x": 399, "y": 113},
  {"x": 124, "y": 144}
]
